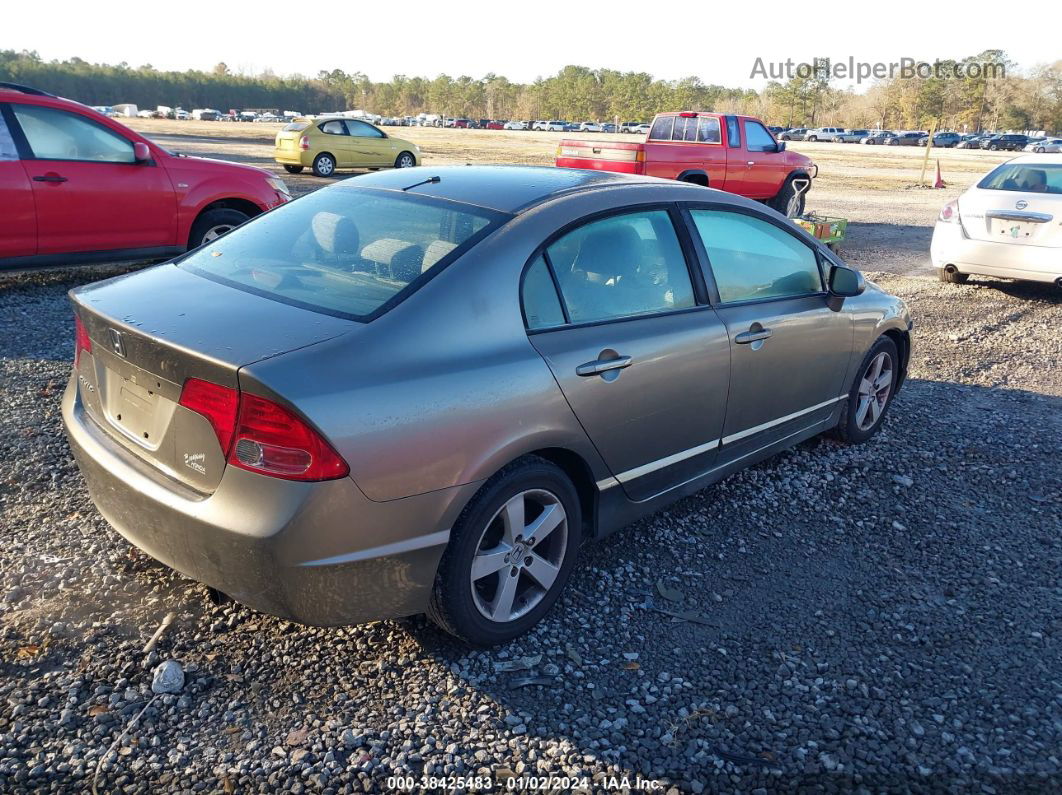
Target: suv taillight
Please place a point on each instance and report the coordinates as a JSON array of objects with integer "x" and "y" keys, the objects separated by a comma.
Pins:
[
  {"x": 82, "y": 342},
  {"x": 304, "y": 142},
  {"x": 257, "y": 434}
]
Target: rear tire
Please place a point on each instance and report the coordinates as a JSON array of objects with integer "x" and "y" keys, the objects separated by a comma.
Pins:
[
  {"x": 871, "y": 395},
  {"x": 293, "y": 169},
  {"x": 952, "y": 277},
  {"x": 459, "y": 604},
  {"x": 324, "y": 165},
  {"x": 213, "y": 224}
]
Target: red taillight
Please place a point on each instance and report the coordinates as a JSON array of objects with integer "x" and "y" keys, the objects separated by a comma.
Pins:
[
  {"x": 950, "y": 212},
  {"x": 272, "y": 440},
  {"x": 82, "y": 342},
  {"x": 219, "y": 404},
  {"x": 687, "y": 115},
  {"x": 304, "y": 142},
  {"x": 262, "y": 436}
]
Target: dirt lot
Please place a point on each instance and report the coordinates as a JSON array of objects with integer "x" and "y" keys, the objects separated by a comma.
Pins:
[{"x": 876, "y": 618}]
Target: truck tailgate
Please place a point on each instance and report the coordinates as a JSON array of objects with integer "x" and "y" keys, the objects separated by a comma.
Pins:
[{"x": 627, "y": 158}]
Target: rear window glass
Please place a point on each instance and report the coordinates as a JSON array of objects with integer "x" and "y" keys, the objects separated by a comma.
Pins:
[
  {"x": 1025, "y": 178},
  {"x": 295, "y": 126},
  {"x": 350, "y": 252}
]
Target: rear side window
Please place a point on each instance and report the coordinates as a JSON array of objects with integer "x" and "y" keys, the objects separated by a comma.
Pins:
[
  {"x": 1025, "y": 178},
  {"x": 752, "y": 259},
  {"x": 59, "y": 135},
  {"x": 662, "y": 129},
  {"x": 733, "y": 132},
  {"x": 685, "y": 129},
  {"x": 621, "y": 266},
  {"x": 334, "y": 127},
  {"x": 542, "y": 307},
  {"x": 350, "y": 252}
]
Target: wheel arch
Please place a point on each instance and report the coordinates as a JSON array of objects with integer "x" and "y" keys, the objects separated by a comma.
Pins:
[
  {"x": 902, "y": 340},
  {"x": 694, "y": 176}
]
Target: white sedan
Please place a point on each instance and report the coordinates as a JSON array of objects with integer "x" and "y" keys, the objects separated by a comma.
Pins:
[
  {"x": 1009, "y": 224},
  {"x": 1045, "y": 145}
]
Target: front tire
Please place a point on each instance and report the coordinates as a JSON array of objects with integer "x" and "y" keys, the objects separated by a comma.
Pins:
[
  {"x": 405, "y": 160},
  {"x": 812, "y": 138},
  {"x": 324, "y": 165},
  {"x": 292, "y": 169},
  {"x": 787, "y": 202},
  {"x": 510, "y": 554},
  {"x": 213, "y": 224},
  {"x": 871, "y": 394}
]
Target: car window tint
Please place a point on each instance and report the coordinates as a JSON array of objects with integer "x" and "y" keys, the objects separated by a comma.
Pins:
[
  {"x": 662, "y": 129},
  {"x": 757, "y": 138},
  {"x": 345, "y": 251},
  {"x": 334, "y": 127},
  {"x": 7, "y": 143},
  {"x": 360, "y": 129},
  {"x": 754, "y": 259},
  {"x": 58, "y": 135},
  {"x": 708, "y": 130},
  {"x": 621, "y": 266},
  {"x": 1026, "y": 178},
  {"x": 542, "y": 307}
]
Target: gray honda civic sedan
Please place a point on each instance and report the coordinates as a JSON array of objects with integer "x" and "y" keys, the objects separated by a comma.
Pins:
[{"x": 423, "y": 390}]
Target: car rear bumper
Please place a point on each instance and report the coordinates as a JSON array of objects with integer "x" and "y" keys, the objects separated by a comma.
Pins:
[
  {"x": 293, "y": 157},
  {"x": 951, "y": 246},
  {"x": 316, "y": 553}
]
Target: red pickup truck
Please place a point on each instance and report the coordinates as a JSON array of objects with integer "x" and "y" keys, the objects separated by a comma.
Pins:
[{"x": 733, "y": 153}]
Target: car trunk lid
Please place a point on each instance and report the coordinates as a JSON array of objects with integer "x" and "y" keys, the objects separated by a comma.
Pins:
[
  {"x": 145, "y": 345},
  {"x": 1006, "y": 216}
]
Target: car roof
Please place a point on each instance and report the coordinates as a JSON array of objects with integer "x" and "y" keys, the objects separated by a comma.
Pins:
[
  {"x": 1046, "y": 158},
  {"x": 507, "y": 189}
]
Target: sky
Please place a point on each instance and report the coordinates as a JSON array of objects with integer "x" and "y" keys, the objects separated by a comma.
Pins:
[{"x": 520, "y": 40}]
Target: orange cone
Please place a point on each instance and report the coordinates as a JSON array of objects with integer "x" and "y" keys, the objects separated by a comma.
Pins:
[{"x": 940, "y": 180}]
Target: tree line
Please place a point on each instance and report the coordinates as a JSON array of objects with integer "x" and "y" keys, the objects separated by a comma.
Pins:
[{"x": 948, "y": 99}]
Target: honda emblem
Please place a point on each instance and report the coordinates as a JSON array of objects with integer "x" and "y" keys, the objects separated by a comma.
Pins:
[{"x": 116, "y": 342}]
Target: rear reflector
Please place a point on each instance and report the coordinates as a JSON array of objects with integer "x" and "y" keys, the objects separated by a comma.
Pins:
[
  {"x": 82, "y": 342},
  {"x": 257, "y": 434}
]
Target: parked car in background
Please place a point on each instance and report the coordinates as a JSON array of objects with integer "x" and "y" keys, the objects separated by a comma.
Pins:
[
  {"x": 850, "y": 136},
  {"x": 629, "y": 126},
  {"x": 328, "y": 144},
  {"x": 1006, "y": 225},
  {"x": 776, "y": 130},
  {"x": 1046, "y": 145},
  {"x": 877, "y": 137},
  {"x": 795, "y": 134},
  {"x": 823, "y": 133},
  {"x": 732, "y": 153},
  {"x": 556, "y": 125},
  {"x": 969, "y": 141},
  {"x": 591, "y": 126},
  {"x": 77, "y": 186},
  {"x": 945, "y": 140},
  {"x": 408, "y": 411},
  {"x": 495, "y": 124},
  {"x": 608, "y": 127},
  {"x": 515, "y": 125},
  {"x": 463, "y": 124},
  {"x": 1009, "y": 142},
  {"x": 910, "y": 138},
  {"x": 182, "y": 115}
]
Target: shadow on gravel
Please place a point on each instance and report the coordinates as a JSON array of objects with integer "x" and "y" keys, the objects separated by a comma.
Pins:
[
  {"x": 1024, "y": 291},
  {"x": 900, "y": 238}
]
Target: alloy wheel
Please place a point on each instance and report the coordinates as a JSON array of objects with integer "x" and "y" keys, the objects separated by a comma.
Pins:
[
  {"x": 214, "y": 232},
  {"x": 406, "y": 161},
  {"x": 874, "y": 390},
  {"x": 519, "y": 555}
]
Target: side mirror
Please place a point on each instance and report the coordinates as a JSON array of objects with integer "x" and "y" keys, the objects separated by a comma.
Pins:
[
  {"x": 779, "y": 146},
  {"x": 845, "y": 282},
  {"x": 141, "y": 152}
]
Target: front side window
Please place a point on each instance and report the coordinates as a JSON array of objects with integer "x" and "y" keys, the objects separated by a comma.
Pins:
[
  {"x": 1027, "y": 178},
  {"x": 60, "y": 135},
  {"x": 752, "y": 259},
  {"x": 622, "y": 266},
  {"x": 662, "y": 129},
  {"x": 757, "y": 138},
  {"x": 360, "y": 129},
  {"x": 349, "y": 252},
  {"x": 334, "y": 127}
]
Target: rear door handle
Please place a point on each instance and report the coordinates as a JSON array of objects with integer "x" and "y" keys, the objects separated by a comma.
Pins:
[
  {"x": 745, "y": 337},
  {"x": 603, "y": 366},
  {"x": 50, "y": 178}
]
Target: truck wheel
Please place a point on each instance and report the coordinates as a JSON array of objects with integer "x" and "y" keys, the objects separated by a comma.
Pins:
[
  {"x": 293, "y": 169},
  {"x": 812, "y": 138},
  {"x": 786, "y": 200}
]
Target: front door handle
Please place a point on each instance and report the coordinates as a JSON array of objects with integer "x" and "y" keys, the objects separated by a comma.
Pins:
[
  {"x": 50, "y": 178},
  {"x": 745, "y": 337},
  {"x": 751, "y": 162},
  {"x": 600, "y": 366}
]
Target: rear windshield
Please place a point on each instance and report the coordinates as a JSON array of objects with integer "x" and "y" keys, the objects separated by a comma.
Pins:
[
  {"x": 349, "y": 252},
  {"x": 1026, "y": 178},
  {"x": 296, "y": 125}
]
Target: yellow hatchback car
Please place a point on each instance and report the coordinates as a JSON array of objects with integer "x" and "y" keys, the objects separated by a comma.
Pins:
[{"x": 325, "y": 145}]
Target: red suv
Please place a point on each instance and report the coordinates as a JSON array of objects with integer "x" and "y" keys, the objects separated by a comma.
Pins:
[{"x": 77, "y": 186}]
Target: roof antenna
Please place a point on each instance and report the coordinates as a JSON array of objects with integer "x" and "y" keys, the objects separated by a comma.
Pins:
[{"x": 428, "y": 181}]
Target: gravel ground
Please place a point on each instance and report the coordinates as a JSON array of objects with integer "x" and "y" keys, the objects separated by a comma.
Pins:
[{"x": 884, "y": 617}]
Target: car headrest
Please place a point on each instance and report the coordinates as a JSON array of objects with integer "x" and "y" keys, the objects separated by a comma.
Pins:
[
  {"x": 435, "y": 251},
  {"x": 335, "y": 235},
  {"x": 612, "y": 250},
  {"x": 401, "y": 257}
]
